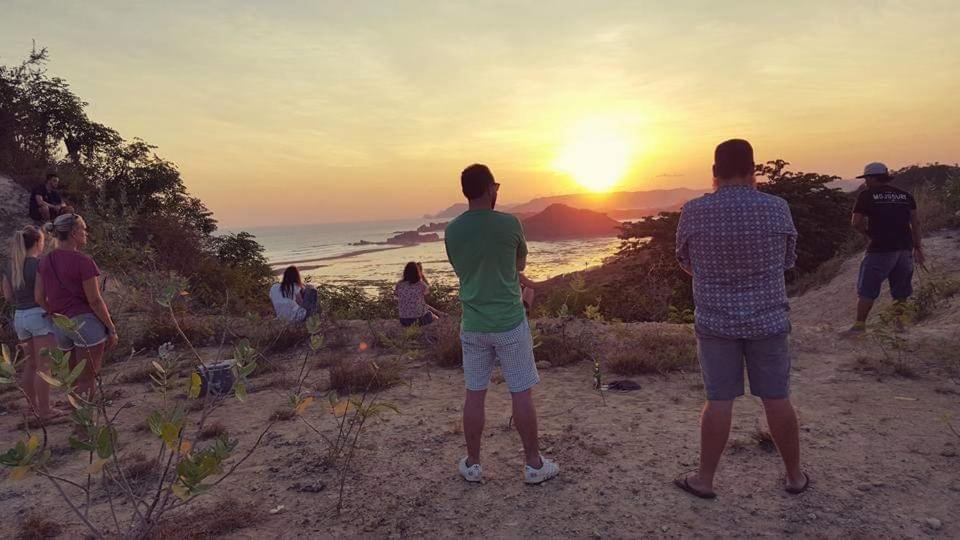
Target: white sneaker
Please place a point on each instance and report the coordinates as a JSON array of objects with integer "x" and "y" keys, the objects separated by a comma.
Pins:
[
  {"x": 472, "y": 473},
  {"x": 548, "y": 470}
]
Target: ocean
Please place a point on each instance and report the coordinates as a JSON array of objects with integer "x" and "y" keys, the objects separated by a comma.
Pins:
[{"x": 324, "y": 253}]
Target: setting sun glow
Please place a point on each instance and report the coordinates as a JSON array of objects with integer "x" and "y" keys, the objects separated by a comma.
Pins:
[{"x": 596, "y": 155}]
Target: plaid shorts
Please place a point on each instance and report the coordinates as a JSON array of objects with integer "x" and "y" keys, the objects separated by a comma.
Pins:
[{"x": 512, "y": 350}]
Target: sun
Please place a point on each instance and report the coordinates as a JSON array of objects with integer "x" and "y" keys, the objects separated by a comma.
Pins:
[{"x": 596, "y": 154}]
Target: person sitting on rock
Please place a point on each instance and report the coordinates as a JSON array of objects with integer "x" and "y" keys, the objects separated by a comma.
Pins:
[
  {"x": 45, "y": 201},
  {"x": 292, "y": 300}
]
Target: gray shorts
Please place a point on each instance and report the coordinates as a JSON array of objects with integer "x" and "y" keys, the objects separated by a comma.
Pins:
[
  {"x": 512, "y": 350},
  {"x": 894, "y": 266},
  {"x": 90, "y": 332},
  {"x": 722, "y": 360}
]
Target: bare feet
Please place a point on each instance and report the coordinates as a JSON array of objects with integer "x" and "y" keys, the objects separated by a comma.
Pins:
[{"x": 797, "y": 486}]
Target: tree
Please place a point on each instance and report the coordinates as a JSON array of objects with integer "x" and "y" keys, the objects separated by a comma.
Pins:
[{"x": 820, "y": 213}]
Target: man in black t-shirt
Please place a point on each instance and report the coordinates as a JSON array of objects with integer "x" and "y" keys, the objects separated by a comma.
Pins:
[
  {"x": 45, "y": 201},
  {"x": 888, "y": 217}
]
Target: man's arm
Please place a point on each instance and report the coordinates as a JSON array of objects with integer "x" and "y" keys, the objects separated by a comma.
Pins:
[
  {"x": 790, "y": 259},
  {"x": 521, "y": 249},
  {"x": 40, "y": 202},
  {"x": 683, "y": 247},
  {"x": 859, "y": 223}
]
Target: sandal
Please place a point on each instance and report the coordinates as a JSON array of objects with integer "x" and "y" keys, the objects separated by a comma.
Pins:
[{"x": 682, "y": 483}]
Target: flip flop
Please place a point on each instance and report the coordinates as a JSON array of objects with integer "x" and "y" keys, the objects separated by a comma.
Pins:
[
  {"x": 681, "y": 482},
  {"x": 799, "y": 490}
]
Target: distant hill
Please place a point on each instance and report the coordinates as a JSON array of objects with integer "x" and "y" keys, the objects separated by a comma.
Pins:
[
  {"x": 622, "y": 204},
  {"x": 451, "y": 211},
  {"x": 621, "y": 200},
  {"x": 559, "y": 221},
  {"x": 847, "y": 185}
]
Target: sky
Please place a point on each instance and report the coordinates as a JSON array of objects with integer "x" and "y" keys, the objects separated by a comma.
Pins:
[{"x": 289, "y": 112}]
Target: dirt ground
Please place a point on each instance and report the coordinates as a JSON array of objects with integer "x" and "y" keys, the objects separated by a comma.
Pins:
[{"x": 876, "y": 445}]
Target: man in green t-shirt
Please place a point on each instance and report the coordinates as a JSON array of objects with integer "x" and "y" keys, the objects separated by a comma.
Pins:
[{"x": 488, "y": 251}]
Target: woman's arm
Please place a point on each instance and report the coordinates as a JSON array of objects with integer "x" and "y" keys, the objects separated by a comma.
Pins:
[
  {"x": 91, "y": 290},
  {"x": 39, "y": 295},
  {"x": 7, "y": 290}
]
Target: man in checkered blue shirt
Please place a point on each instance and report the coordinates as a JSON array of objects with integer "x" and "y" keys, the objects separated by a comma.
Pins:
[{"x": 736, "y": 243}]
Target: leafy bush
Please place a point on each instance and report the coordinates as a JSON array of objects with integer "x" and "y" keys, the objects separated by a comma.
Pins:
[
  {"x": 185, "y": 471},
  {"x": 135, "y": 203},
  {"x": 821, "y": 214}
]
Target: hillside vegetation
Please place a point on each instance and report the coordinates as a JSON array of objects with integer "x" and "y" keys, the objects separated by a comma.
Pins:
[{"x": 144, "y": 224}]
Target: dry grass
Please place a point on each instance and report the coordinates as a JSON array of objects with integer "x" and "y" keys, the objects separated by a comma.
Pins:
[
  {"x": 283, "y": 414},
  {"x": 559, "y": 350},
  {"x": 154, "y": 329},
  {"x": 212, "y": 431},
  {"x": 139, "y": 470},
  {"x": 653, "y": 351},
  {"x": 135, "y": 374},
  {"x": 36, "y": 527},
  {"x": 347, "y": 376},
  {"x": 884, "y": 367},
  {"x": 227, "y": 516},
  {"x": 447, "y": 352}
]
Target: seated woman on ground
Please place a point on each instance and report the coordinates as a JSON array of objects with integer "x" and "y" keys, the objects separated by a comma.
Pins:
[
  {"x": 411, "y": 297},
  {"x": 292, "y": 300},
  {"x": 32, "y": 323},
  {"x": 69, "y": 287}
]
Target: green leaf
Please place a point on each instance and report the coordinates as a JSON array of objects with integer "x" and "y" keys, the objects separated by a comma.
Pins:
[
  {"x": 81, "y": 445},
  {"x": 49, "y": 379},
  {"x": 241, "y": 390},
  {"x": 66, "y": 324},
  {"x": 170, "y": 433},
  {"x": 76, "y": 372},
  {"x": 105, "y": 439},
  {"x": 246, "y": 370},
  {"x": 155, "y": 423},
  {"x": 313, "y": 324},
  {"x": 316, "y": 342},
  {"x": 196, "y": 384}
]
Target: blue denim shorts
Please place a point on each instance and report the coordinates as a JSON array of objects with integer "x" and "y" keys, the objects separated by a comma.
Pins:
[
  {"x": 32, "y": 323},
  {"x": 893, "y": 266},
  {"x": 722, "y": 361},
  {"x": 90, "y": 333}
]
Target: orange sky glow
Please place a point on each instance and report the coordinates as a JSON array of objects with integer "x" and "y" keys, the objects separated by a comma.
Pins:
[{"x": 307, "y": 112}]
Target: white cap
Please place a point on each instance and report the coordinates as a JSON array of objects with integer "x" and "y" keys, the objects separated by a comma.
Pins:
[{"x": 875, "y": 169}]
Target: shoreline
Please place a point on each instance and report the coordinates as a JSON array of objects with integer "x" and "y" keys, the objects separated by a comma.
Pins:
[{"x": 336, "y": 257}]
